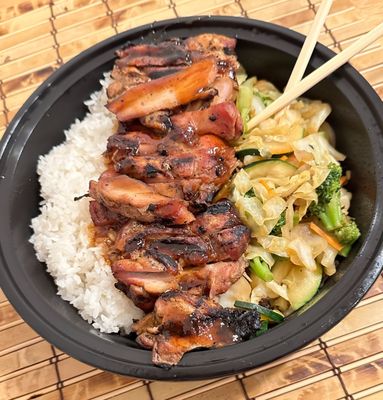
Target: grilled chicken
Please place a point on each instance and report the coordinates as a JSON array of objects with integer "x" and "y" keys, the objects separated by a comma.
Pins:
[
  {"x": 132, "y": 143},
  {"x": 210, "y": 279},
  {"x": 226, "y": 90},
  {"x": 194, "y": 173},
  {"x": 159, "y": 72},
  {"x": 168, "y": 53},
  {"x": 204, "y": 254},
  {"x": 183, "y": 321},
  {"x": 216, "y": 235},
  {"x": 171, "y": 250},
  {"x": 210, "y": 161},
  {"x": 124, "y": 79},
  {"x": 134, "y": 199},
  {"x": 164, "y": 58},
  {"x": 102, "y": 216},
  {"x": 165, "y": 93},
  {"x": 219, "y": 46},
  {"x": 221, "y": 119},
  {"x": 210, "y": 42}
]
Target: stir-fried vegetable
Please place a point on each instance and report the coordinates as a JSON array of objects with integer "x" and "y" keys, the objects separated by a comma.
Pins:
[
  {"x": 330, "y": 240},
  {"x": 290, "y": 193},
  {"x": 274, "y": 316},
  {"x": 328, "y": 208},
  {"x": 347, "y": 234},
  {"x": 264, "y": 328},
  {"x": 277, "y": 230},
  {"x": 261, "y": 269}
]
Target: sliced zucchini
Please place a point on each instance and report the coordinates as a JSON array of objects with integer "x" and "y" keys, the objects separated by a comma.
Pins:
[
  {"x": 241, "y": 154},
  {"x": 274, "y": 316},
  {"x": 328, "y": 133},
  {"x": 302, "y": 284},
  {"x": 271, "y": 168}
]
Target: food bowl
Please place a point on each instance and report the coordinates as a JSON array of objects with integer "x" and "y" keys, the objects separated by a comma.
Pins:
[{"x": 265, "y": 50}]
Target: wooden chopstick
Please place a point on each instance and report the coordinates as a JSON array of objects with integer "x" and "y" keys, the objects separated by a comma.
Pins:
[
  {"x": 322, "y": 72},
  {"x": 309, "y": 44}
]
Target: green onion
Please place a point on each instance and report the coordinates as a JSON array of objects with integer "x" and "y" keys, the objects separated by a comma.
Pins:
[
  {"x": 262, "y": 310},
  {"x": 263, "y": 329},
  {"x": 261, "y": 269}
]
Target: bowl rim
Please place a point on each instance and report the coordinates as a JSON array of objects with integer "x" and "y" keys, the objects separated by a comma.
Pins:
[{"x": 232, "y": 359}]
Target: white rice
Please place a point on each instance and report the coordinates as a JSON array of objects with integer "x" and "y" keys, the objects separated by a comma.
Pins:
[{"x": 61, "y": 230}]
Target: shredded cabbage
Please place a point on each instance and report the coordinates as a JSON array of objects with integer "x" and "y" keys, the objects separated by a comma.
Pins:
[{"x": 299, "y": 135}]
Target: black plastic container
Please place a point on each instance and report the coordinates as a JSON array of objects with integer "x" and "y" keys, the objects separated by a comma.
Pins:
[{"x": 265, "y": 50}]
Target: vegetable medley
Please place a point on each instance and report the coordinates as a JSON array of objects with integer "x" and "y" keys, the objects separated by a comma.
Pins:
[{"x": 290, "y": 191}]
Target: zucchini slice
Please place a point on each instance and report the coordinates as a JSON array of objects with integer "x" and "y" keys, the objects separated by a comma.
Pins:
[
  {"x": 302, "y": 284},
  {"x": 271, "y": 168},
  {"x": 241, "y": 154}
]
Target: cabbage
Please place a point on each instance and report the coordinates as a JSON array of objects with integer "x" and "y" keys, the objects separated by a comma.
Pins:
[
  {"x": 345, "y": 200},
  {"x": 280, "y": 290},
  {"x": 240, "y": 290},
  {"x": 241, "y": 182},
  {"x": 305, "y": 246},
  {"x": 313, "y": 112},
  {"x": 293, "y": 183},
  {"x": 260, "y": 290},
  {"x": 300, "y": 253},
  {"x": 257, "y": 105},
  {"x": 274, "y": 244},
  {"x": 253, "y": 251},
  {"x": 316, "y": 150},
  {"x": 328, "y": 133},
  {"x": 300, "y": 132},
  {"x": 241, "y": 74},
  {"x": 251, "y": 213},
  {"x": 328, "y": 260}
]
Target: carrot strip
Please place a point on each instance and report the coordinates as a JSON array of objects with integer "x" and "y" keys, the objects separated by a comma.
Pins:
[
  {"x": 268, "y": 188},
  {"x": 284, "y": 158},
  {"x": 330, "y": 240},
  {"x": 343, "y": 180}
]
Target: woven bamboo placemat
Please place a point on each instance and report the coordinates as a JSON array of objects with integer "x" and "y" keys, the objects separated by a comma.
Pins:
[{"x": 36, "y": 37}]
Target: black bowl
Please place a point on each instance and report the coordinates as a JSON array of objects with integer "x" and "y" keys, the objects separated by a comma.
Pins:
[{"x": 265, "y": 50}]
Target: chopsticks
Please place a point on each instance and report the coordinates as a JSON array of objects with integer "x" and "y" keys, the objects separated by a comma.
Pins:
[
  {"x": 312, "y": 79},
  {"x": 309, "y": 44}
]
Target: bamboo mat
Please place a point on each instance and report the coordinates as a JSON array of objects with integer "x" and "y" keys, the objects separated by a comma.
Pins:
[{"x": 36, "y": 37}]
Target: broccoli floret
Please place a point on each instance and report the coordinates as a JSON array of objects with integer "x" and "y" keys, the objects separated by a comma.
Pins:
[
  {"x": 331, "y": 185},
  {"x": 348, "y": 233},
  {"x": 328, "y": 208},
  {"x": 277, "y": 230}
]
